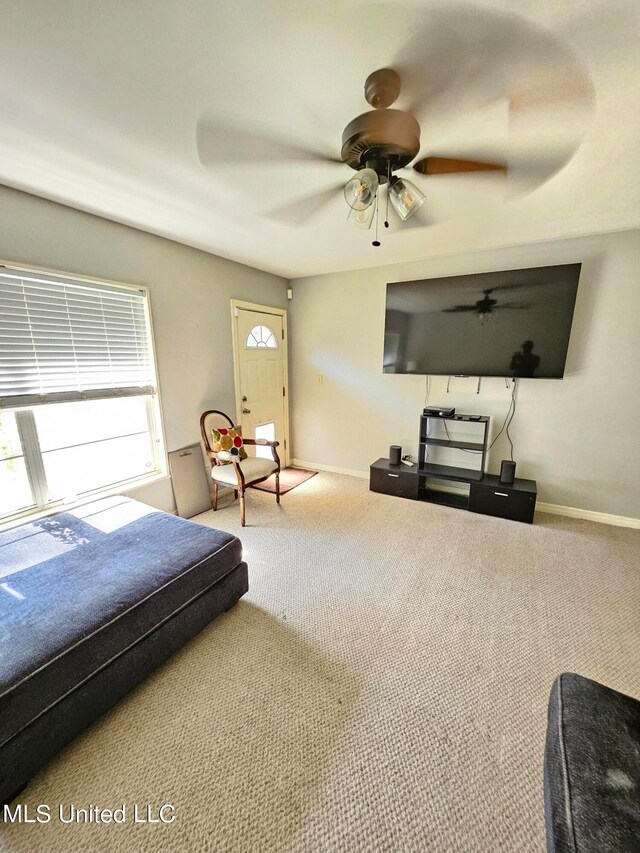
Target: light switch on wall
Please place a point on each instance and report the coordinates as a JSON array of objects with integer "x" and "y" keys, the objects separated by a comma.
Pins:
[{"x": 320, "y": 379}]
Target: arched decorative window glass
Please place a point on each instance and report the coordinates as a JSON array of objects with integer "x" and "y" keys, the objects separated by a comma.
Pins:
[{"x": 261, "y": 336}]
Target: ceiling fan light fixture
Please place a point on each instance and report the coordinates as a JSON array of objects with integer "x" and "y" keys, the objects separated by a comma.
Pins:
[
  {"x": 360, "y": 191},
  {"x": 405, "y": 197},
  {"x": 361, "y": 218}
]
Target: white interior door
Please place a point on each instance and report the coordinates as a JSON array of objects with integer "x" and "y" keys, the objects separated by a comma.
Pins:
[{"x": 260, "y": 360}]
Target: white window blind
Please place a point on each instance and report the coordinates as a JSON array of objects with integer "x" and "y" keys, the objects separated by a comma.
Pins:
[{"x": 66, "y": 340}]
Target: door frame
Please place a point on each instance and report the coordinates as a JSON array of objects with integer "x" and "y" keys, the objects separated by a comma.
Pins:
[{"x": 239, "y": 304}]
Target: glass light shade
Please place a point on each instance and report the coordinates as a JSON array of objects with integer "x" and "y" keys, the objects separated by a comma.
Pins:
[
  {"x": 361, "y": 190},
  {"x": 405, "y": 197},
  {"x": 362, "y": 218}
]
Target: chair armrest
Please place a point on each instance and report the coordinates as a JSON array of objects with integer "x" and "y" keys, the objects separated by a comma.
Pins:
[{"x": 252, "y": 442}]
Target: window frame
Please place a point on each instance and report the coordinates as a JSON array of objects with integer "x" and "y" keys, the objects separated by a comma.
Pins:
[{"x": 25, "y": 419}]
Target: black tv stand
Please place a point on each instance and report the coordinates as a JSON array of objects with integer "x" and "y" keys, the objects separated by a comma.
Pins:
[
  {"x": 477, "y": 447},
  {"x": 486, "y": 494}
]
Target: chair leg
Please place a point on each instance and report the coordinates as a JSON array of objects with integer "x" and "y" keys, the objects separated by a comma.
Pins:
[
  {"x": 242, "y": 519},
  {"x": 277, "y": 487},
  {"x": 215, "y": 497}
]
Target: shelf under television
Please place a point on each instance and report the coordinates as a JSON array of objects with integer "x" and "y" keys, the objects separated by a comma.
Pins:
[
  {"x": 450, "y": 472},
  {"x": 452, "y": 442}
]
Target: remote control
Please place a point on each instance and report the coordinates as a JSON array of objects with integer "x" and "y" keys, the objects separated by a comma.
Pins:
[{"x": 407, "y": 462}]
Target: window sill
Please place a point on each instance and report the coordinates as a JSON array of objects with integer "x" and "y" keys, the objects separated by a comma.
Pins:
[{"x": 61, "y": 506}]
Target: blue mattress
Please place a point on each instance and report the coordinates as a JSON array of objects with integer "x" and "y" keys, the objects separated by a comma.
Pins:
[{"x": 78, "y": 589}]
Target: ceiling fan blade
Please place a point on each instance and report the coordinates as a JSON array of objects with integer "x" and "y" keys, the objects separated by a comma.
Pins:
[
  {"x": 459, "y": 308},
  {"x": 514, "y": 306},
  {"x": 303, "y": 209},
  {"x": 526, "y": 165},
  {"x": 522, "y": 280},
  {"x": 451, "y": 165},
  {"x": 219, "y": 143},
  {"x": 518, "y": 285},
  {"x": 529, "y": 166},
  {"x": 453, "y": 63},
  {"x": 492, "y": 75}
]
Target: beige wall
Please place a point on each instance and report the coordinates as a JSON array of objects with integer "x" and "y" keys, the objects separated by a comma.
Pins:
[
  {"x": 578, "y": 437},
  {"x": 190, "y": 293}
]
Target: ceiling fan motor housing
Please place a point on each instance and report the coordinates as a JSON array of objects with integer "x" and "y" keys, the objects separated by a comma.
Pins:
[{"x": 379, "y": 137}]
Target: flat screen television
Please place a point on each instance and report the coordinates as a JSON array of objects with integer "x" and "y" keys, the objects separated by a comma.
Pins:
[{"x": 508, "y": 323}]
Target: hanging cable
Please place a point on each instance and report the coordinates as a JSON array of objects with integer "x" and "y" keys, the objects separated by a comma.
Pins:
[
  {"x": 513, "y": 412},
  {"x": 463, "y": 449},
  {"x": 508, "y": 418}
]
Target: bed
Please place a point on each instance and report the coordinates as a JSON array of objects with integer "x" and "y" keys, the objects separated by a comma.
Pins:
[{"x": 91, "y": 601}]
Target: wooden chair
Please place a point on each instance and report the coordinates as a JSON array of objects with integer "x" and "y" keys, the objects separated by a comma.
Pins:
[{"x": 235, "y": 473}]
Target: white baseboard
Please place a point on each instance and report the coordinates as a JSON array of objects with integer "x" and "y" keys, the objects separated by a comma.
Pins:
[
  {"x": 316, "y": 466},
  {"x": 589, "y": 515},
  {"x": 555, "y": 509}
]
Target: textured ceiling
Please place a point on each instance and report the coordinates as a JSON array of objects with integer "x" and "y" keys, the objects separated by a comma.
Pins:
[{"x": 141, "y": 112}]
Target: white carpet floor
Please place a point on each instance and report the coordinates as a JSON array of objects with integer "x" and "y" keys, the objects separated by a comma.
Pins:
[{"x": 382, "y": 687}]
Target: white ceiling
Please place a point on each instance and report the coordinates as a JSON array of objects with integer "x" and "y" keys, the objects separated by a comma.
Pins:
[{"x": 108, "y": 107}]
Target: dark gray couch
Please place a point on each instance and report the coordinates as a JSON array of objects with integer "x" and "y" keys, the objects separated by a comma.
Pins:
[
  {"x": 91, "y": 601},
  {"x": 592, "y": 769}
]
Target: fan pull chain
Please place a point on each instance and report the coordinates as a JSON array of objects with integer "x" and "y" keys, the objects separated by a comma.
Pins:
[
  {"x": 386, "y": 216},
  {"x": 376, "y": 242}
]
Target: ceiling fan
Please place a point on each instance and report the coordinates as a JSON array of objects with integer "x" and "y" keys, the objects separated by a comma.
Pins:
[
  {"x": 375, "y": 144},
  {"x": 452, "y": 67},
  {"x": 486, "y": 306},
  {"x": 381, "y": 141}
]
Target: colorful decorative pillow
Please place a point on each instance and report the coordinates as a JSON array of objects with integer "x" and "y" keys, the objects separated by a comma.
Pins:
[{"x": 228, "y": 443}]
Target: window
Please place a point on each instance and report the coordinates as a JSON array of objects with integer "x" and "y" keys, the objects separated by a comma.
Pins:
[
  {"x": 78, "y": 397},
  {"x": 266, "y": 430},
  {"x": 261, "y": 336},
  {"x": 15, "y": 492}
]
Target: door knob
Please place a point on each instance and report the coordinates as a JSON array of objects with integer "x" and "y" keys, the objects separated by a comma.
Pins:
[{"x": 246, "y": 411}]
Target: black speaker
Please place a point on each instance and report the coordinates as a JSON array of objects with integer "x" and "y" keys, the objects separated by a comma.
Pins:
[
  {"x": 394, "y": 454},
  {"x": 507, "y": 472}
]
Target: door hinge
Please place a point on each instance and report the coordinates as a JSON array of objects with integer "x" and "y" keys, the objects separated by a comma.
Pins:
[
  {"x": 283, "y": 334},
  {"x": 283, "y": 392},
  {"x": 285, "y": 444}
]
